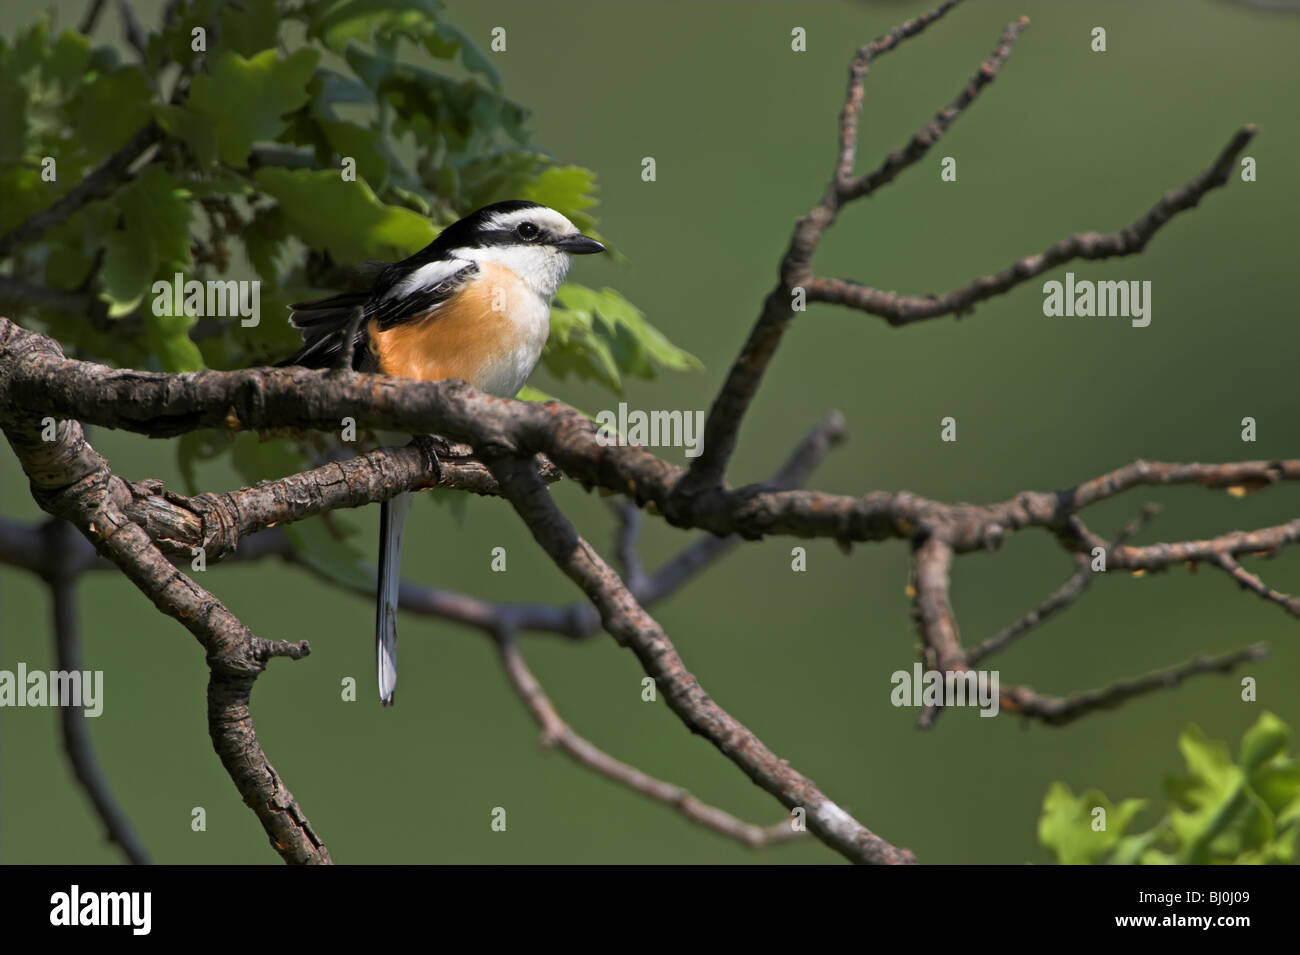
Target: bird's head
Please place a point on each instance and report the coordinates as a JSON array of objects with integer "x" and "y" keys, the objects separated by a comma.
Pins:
[{"x": 533, "y": 241}]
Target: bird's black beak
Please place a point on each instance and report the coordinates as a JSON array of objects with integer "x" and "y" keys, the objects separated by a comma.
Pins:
[{"x": 579, "y": 244}]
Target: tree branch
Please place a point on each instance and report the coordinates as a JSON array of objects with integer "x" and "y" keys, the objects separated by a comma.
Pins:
[
  {"x": 70, "y": 480},
  {"x": 96, "y": 184},
  {"x": 1061, "y": 598},
  {"x": 61, "y": 537},
  {"x": 632, "y": 627},
  {"x": 556, "y": 732},
  {"x": 924, "y": 139},
  {"x": 1248, "y": 581},
  {"x": 903, "y": 309},
  {"x": 1057, "y": 711}
]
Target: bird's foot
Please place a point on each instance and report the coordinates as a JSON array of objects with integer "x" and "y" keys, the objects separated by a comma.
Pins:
[{"x": 432, "y": 445}]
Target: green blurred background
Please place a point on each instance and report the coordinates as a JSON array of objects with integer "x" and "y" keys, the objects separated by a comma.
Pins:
[{"x": 743, "y": 130}]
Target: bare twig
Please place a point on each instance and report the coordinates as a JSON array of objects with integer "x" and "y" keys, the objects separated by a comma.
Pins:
[
  {"x": 131, "y": 28},
  {"x": 96, "y": 184},
  {"x": 1062, "y": 597},
  {"x": 733, "y": 400},
  {"x": 903, "y": 309},
  {"x": 1057, "y": 711},
  {"x": 556, "y": 732},
  {"x": 62, "y": 579},
  {"x": 91, "y": 16},
  {"x": 925, "y": 138},
  {"x": 1249, "y": 581}
]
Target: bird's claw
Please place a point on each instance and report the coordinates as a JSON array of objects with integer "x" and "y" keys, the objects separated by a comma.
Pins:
[{"x": 431, "y": 445}]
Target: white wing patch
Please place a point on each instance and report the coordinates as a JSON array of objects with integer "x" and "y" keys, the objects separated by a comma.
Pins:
[{"x": 426, "y": 276}]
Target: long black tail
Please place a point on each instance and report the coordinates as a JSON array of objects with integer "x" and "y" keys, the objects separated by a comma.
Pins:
[
  {"x": 324, "y": 324},
  {"x": 392, "y": 523}
]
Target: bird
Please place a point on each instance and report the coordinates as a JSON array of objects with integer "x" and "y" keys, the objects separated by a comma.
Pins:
[{"x": 474, "y": 304}]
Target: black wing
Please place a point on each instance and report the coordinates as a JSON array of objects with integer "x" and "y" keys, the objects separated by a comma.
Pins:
[{"x": 324, "y": 322}]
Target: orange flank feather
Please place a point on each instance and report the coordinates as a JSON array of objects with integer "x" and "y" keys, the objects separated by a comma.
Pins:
[{"x": 463, "y": 337}]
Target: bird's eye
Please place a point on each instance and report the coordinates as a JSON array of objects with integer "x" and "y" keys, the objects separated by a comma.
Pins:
[{"x": 527, "y": 231}]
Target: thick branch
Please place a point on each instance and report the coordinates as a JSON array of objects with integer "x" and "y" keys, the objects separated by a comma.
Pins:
[
  {"x": 935, "y": 620},
  {"x": 34, "y": 374},
  {"x": 70, "y": 480},
  {"x": 632, "y": 627},
  {"x": 217, "y": 522}
]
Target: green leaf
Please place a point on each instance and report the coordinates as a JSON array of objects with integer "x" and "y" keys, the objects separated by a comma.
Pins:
[
  {"x": 344, "y": 218},
  {"x": 111, "y": 109},
  {"x": 1133, "y": 850},
  {"x": 68, "y": 60},
  {"x": 1278, "y": 784},
  {"x": 169, "y": 339},
  {"x": 360, "y": 143},
  {"x": 535, "y": 395},
  {"x": 13, "y": 120},
  {"x": 28, "y": 50},
  {"x": 411, "y": 200},
  {"x": 447, "y": 40},
  {"x": 66, "y": 266},
  {"x": 1066, "y": 825},
  {"x": 1246, "y": 812},
  {"x": 1263, "y": 741},
  {"x": 21, "y": 186},
  {"x": 601, "y": 336},
  {"x": 156, "y": 202},
  {"x": 155, "y": 232},
  {"x": 575, "y": 347},
  {"x": 248, "y": 28},
  {"x": 342, "y": 21},
  {"x": 244, "y": 100},
  {"x": 193, "y": 129},
  {"x": 566, "y": 189},
  {"x": 461, "y": 118},
  {"x": 129, "y": 266},
  {"x": 263, "y": 242}
]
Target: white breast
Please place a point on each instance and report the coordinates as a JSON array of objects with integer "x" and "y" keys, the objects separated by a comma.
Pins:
[
  {"x": 505, "y": 373},
  {"x": 537, "y": 272}
]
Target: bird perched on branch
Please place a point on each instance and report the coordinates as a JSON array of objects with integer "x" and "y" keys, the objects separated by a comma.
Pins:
[{"x": 473, "y": 304}]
